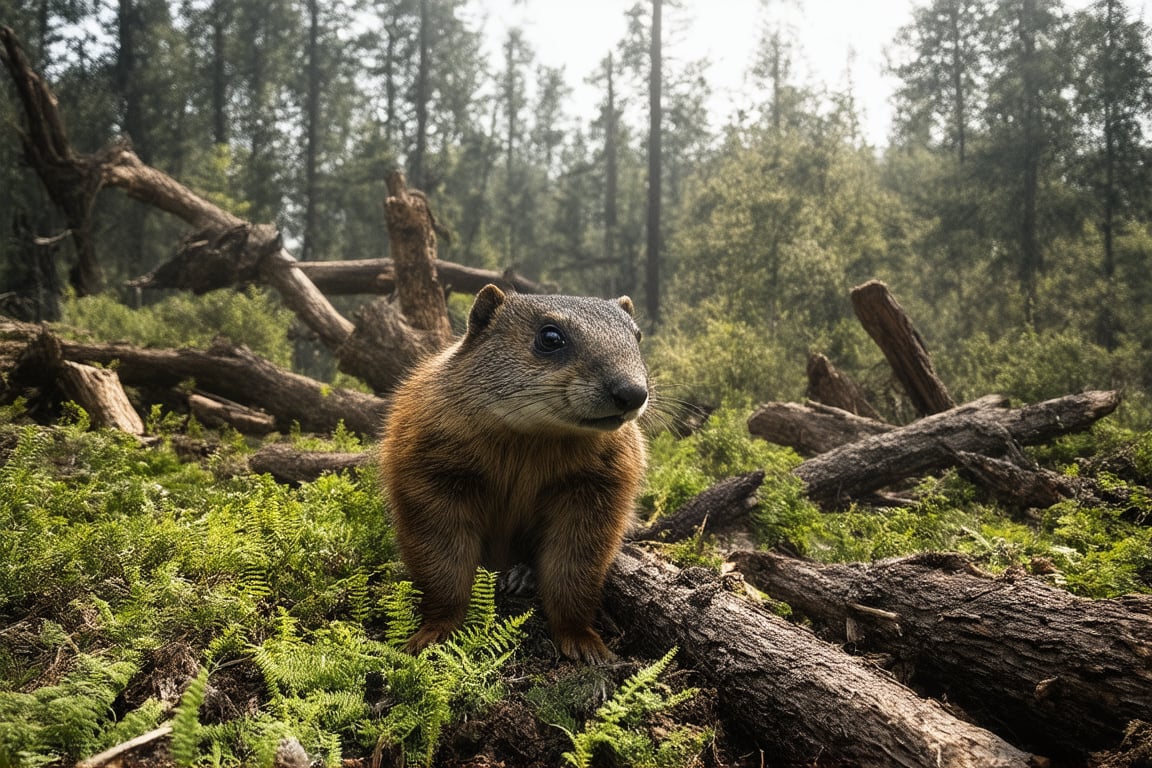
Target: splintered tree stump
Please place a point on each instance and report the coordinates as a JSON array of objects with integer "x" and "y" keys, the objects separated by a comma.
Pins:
[
  {"x": 800, "y": 698},
  {"x": 932, "y": 443},
  {"x": 1060, "y": 674},
  {"x": 413, "y": 243},
  {"x": 889, "y": 326},
  {"x": 99, "y": 392},
  {"x": 831, "y": 387},
  {"x": 811, "y": 429},
  {"x": 71, "y": 179}
]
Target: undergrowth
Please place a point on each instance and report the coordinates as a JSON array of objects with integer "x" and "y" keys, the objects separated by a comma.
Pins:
[
  {"x": 252, "y": 317},
  {"x": 115, "y": 558},
  {"x": 1100, "y": 550},
  {"x": 617, "y": 730}
]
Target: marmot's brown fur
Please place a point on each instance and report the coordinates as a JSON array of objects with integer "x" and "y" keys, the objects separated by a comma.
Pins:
[{"x": 519, "y": 443}]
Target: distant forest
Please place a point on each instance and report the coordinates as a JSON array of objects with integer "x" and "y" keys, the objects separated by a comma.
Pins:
[{"x": 1010, "y": 210}]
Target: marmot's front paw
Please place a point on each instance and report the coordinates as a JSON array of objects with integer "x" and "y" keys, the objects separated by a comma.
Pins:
[
  {"x": 584, "y": 645},
  {"x": 428, "y": 634}
]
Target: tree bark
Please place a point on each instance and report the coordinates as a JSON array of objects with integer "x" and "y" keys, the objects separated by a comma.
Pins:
[
  {"x": 931, "y": 443},
  {"x": 413, "y": 244},
  {"x": 718, "y": 508},
  {"x": 218, "y": 412},
  {"x": 237, "y": 374},
  {"x": 831, "y": 387},
  {"x": 1060, "y": 674},
  {"x": 654, "y": 246},
  {"x": 800, "y": 698},
  {"x": 812, "y": 428},
  {"x": 99, "y": 392},
  {"x": 290, "y": 465},
  {"x": 889, "y": 326}
]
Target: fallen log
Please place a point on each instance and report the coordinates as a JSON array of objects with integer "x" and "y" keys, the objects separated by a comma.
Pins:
[
  {"x": 716, "y": 509},
  {"x": 1013, "y": 485},
  {"x": 812, "y": 428},
  {"x": 831, "y": 387},
  {"x": 289, "y": 465},
  {"x": 1060, "y": 674},
  {"x": 215, "y": 412},
  {"x": 800, "y": 698},
  {"x": 892, "y": 330},
  {"x": 367, "y": 276},
  {"x": 931, "y": 444},
  {"x": 237, "y": 374}
]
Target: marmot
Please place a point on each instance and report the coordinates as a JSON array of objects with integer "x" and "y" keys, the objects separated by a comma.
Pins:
[{"x": 519, "y": 443}]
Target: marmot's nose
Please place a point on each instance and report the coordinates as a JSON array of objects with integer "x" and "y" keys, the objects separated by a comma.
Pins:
[{"x": 628, "y": 395}]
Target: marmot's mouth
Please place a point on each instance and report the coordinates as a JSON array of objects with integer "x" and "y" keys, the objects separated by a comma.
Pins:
[{"x": 606, "y": 423}]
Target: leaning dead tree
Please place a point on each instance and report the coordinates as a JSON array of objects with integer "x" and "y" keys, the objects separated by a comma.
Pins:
[
  {"x": 1058, "y": 672},
  {"x": 800, "y": 698},
  {"x": 889, "y": 326}
]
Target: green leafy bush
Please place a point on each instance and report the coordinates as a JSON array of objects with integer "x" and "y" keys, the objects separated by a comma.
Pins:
[{"x": 252, "y": 317}]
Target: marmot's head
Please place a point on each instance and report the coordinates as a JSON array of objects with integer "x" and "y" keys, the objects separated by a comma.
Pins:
[{"x": 555, "y": 363}]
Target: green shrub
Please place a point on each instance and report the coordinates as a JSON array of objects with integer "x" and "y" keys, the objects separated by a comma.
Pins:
[{"x": 252, "y": 317}]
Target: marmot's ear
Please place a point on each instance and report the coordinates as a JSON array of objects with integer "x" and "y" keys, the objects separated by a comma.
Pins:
[
  {"x": 626, "y": 305},
  {"x": 484, "y": 308}
]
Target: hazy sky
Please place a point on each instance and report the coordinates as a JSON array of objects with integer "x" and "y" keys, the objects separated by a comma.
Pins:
[{"x": 579, "y": 33}]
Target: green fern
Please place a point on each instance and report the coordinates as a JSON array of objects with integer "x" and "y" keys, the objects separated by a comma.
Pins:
[
  {"x": 400, "y": 608},
  {"x": 616, "y": 726},
  {"x": 68, "y": 719},
  {"x": 187, "y": 732}
]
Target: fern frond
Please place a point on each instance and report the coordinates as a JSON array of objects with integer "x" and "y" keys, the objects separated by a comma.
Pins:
[
  {"x": 400, "y": 610},
  {"x": 186, "y": 728},
  {"x": 614, "y": 727}
]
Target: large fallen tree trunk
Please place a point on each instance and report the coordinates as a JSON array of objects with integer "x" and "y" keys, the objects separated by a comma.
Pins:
[
  {"x": 814, "y": 428},
  {"x": 932, "y": 443},
  {"x": 1059, "y": 673},
  {"x": 800, "y": 698},
  {"x": 237, "y": 374}
]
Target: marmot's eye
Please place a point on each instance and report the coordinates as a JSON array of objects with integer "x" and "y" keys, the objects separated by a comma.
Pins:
[{"x": 550, "y": 339}]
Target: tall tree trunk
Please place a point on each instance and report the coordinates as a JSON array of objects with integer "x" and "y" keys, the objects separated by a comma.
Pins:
[
  {"x": 958, "y": 94},
  {"x": 1030, "y": 256},
  {"x": 416, "y": 166},
  {"x": 611, "y": 172},
  {"x": 312, "y": 130},
  {"x": 655, "y": 115},
  {"x": 219, "y": 74},
  {"x": 510, "y": 53},
  {"x": 1107, "y": 319}
]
